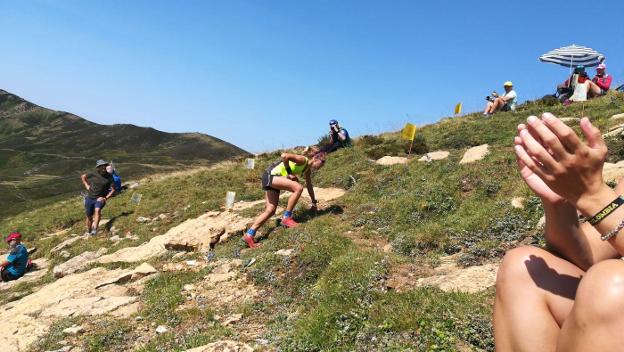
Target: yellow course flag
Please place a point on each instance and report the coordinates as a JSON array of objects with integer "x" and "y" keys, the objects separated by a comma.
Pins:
[
  {"x": 409, "y": 131},
  {"x": 458, "y": 108}
]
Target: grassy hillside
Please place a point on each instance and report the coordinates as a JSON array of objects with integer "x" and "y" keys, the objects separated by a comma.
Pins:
[
  {"x": 332, "y": 293},
  {"x": 42, "y": 151}
]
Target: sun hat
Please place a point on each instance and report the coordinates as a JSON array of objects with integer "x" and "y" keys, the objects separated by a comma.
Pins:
[
  {"x": 14, "y": 236},
  {"x": 601, "y": 67},
  {"x": 508, "y": 84},
  {"x": 101, "y": 163}
]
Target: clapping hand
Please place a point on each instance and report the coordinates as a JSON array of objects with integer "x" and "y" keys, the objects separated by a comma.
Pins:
[{"x": 568, "y": 166}]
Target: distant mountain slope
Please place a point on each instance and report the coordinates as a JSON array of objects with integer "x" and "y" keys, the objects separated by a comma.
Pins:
[{"x": 42, "y": 151}]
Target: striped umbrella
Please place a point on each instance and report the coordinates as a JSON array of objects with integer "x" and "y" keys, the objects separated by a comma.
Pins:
[{"x": 571, "y": 56}]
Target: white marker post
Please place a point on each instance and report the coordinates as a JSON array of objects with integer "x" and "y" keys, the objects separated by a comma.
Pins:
[
  {"x": 136, "y": 198},
  {"x": 229, "y": 200},
  {"x": 250, "y": 164}
]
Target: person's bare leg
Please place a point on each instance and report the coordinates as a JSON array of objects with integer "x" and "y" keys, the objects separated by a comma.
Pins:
[
  {"x": 89, "y": 222},
  {"x": 596, "y": 321},
  {"x": 288, "y": 185},
  {"x": 497, "y": 105},
  {"x": 97, "y": 214},
  {"x": 488, "y": 107},
  {"x": 592, "y": 89},
  {"x": 272, "y": 198},
  {"x": 534, "y": 294}
]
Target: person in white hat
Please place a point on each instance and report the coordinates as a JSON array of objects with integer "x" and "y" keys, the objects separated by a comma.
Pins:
[
  {"x": 601, "y": 83},
  {"x": 505, "y": 102}
]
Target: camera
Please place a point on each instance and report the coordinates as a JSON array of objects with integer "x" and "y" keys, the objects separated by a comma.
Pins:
[{"x": 490, "y": 98}]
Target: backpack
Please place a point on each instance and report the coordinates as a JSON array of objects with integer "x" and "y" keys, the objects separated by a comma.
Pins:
[{"x": 117, "y": 182}]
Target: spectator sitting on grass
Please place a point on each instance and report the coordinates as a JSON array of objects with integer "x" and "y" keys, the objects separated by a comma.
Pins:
[
  {"x": 566, "y": 89},
  {"x": 506, "y": 102},
  {"x": 15, "y": 265},
  {"x": 601, "y": 83}
]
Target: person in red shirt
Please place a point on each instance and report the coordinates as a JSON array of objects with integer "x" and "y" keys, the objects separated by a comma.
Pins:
[{"x": 600, "y": 84}]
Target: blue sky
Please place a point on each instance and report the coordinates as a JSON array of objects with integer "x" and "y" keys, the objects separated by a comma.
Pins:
[{"x": 270, "y": 74}]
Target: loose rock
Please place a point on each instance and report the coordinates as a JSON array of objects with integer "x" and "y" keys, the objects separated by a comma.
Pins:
[
  {"x": 223, "y": 346},
  {"x": 74, "y": 330},
  {"x": 285, "y": 252},
  {"x": 517, "y": 202},
  {"x": 475, "y": 153},
  {"x": 437, "y": 155},
  {"x": 391, "y": 160}
]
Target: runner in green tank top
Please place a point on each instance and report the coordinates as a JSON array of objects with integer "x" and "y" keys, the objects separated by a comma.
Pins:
[{"x": 283, "y": 176}]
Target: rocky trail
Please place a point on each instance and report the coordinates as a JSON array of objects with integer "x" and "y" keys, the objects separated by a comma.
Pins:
[{"x": 115, "y": 292}]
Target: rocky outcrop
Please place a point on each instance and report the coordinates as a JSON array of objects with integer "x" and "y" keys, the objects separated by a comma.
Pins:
[
  {"x": 77, "y": 263},
  {"x": 80, "y": 294},
  {"x": 197, "y": 234}
]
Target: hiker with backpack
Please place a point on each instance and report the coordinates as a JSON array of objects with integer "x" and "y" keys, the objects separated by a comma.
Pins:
[
  {"x": 100, "y": 187},
  {"x": 283, "y": 175},
  {"x": 568, "y": 296},
  {"x": 338, "y": 137},
  {"x": 17, "y": 261}
]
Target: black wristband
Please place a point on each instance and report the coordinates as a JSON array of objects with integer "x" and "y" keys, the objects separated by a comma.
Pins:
[
  {"x": 617, "y": 202},
  {"x": 287, "y": 167}
]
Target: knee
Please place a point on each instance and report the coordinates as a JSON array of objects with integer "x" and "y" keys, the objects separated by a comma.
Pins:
[
  {"x": 599, "y": 296},
  {"x": 298, "y": 188},
  {"x": 512, "y": 271},
  {"x": 271, "y": 210}
]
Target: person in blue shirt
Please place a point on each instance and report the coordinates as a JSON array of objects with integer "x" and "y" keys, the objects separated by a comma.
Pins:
[
  {"x": 116, "y": 178},
  {"x": 15, "y": 265}
]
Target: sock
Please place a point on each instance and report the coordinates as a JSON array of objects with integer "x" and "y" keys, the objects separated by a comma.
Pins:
[
  {"x": 251, "y": 232},
  {"x": 287, "y": 214}
]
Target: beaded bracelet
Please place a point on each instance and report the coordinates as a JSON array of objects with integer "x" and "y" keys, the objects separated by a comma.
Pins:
[{"x": 607, "y": 236}]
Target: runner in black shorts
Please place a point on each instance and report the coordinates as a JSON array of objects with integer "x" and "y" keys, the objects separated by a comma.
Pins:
[{"x": 283, "y": 176}]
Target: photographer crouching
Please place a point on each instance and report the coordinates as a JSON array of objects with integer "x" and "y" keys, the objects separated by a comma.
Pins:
[
  {"x": 506, "y": 102},
  {"x": 338, "y": 137}
]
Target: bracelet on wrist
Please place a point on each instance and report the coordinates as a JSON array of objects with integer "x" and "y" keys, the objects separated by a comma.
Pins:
[
  {"x": 607, "y": 236},
  {"x": 610, "y": 208}
]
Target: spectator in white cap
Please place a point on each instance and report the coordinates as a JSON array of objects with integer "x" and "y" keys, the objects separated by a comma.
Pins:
[{"x": 601, "y": 83}]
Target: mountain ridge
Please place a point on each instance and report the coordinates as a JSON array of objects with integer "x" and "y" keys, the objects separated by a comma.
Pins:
[{"x": 41, "y": 148}]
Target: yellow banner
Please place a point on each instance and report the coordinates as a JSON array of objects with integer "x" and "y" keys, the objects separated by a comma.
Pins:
[
  {"x": 409, "y": 131},
  {"x": 458, "y": 108}
]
